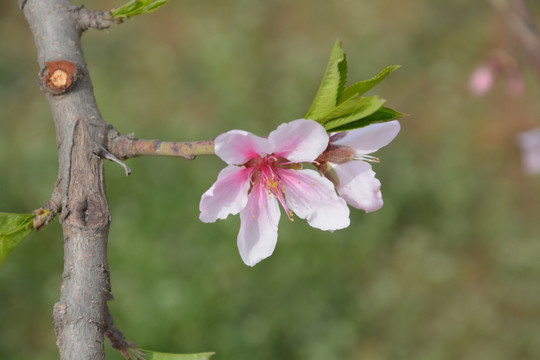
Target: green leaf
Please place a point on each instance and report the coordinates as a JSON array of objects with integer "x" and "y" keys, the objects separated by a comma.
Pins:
[
  {"x": 152, "y": 355},
  {"x": 362, "y": 87},
  {"x": 13, "y": 228},
  {"x": 355, "y": 108},
  {"x": 332, "y": 85},
  {"x": 384, "y": 114},
  {"x": 343, "y": 69},
  {"x": 137, "y": 7},
  {"x": 352, "y": 106}
]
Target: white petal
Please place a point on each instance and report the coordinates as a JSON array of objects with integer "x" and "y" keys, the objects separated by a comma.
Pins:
[
  {"x": 299, "y": 141},
  {"x": 370, "y": 138},
  {"x": 312, "y": 197},
  {"x": 228, "y": 195},
  {"x": 237, "y": 147},
  {"x": 358, "y": 185},
  {"x": 259, "y": 227}
]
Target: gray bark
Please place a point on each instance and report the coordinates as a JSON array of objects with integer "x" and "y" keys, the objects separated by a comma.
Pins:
[{"x": 80, "y": 316}]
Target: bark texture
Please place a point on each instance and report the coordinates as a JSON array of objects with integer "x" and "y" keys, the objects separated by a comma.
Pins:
[
  {"x": 84, "y": 139},
  {"x": 81, "y": 315}
]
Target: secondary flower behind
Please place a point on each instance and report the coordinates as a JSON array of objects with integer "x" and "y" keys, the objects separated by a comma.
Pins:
[
  {"x": 265, "y": 172},
  {"x": 346, "y": 163}
]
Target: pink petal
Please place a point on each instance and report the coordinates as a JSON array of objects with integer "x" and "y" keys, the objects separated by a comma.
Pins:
[
  {"x": 259, "y": 227},
  {"x": 312, "y": 197},
  {"x": 299, "y": 141},
  {"x": 370, "y": 138},
  {"x": 237, "y": 147},
  {"x": 358, "y": 185},
  {"x": 228, "y": 195}
]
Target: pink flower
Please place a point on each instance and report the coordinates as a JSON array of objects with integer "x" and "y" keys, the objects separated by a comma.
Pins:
[
  {"x": 354, "y": 179},
  {"x": 481, "y": 80},
  {"x": 498, "y": 64},
  {"x": 265, "y": 172}
]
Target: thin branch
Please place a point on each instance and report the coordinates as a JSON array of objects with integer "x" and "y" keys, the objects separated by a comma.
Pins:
[
  {"x": 117, "y": 338},
  {"x": 126, "y": 147},
  {"x": 526, "y": 30},
  {"x": 47, "y": 213},
  {"x": 93, "y": 19},
  {"x": 522, "y": 25}
]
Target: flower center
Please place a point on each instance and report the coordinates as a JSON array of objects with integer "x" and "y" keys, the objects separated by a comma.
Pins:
[{"x": 267, "y": 174}]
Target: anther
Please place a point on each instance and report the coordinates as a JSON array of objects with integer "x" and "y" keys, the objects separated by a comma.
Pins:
[{"x": 367, "y": 158}]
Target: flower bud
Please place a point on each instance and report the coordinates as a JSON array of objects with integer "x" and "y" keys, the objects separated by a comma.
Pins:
[{"x": 337, "y": 154}]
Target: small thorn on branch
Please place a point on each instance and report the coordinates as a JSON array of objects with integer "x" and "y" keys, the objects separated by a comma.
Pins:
[
  {"x": 22, "y": 3},
  {"x": 103, "y": 153}
]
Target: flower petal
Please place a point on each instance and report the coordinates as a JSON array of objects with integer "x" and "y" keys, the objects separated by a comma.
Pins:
[
  {"x": 359, "y": 186},
  {"x": 259, "y": 227},
  {"x": 312, "y": 197},
  {"x": 370, "y": 138},
  {"x": 228, "y": 195},
  {"x": 299, "y": 141},
  {"x": 237, "y": 147}
]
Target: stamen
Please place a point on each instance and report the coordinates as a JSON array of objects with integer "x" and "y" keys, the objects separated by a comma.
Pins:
[
  {"x": 266, "y": 173},
  {"x": 367, "y": 158}
]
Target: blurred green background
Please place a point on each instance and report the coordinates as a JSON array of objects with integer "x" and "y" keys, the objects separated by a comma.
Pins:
[{"x": 448, "y": 269}]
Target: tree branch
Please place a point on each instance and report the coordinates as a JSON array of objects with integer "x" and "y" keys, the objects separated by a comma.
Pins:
[
  {"x": 126, "y": 147},
  {"x": 47, "y": 213},
  {"x": 521, "y": 23},
  {"x": 80, "y": 314},
  {"x": 117, "y": 338},
  {"x": 93, "y": 19},
  {"x": 84, "y": 139}
]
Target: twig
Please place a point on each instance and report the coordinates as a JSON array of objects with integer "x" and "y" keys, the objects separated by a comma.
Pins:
[
  {"x": 522, "y": 25},
  {"x": 93, "y": 19},
  {"x": 118, "y": 341},
  {"x": 126, "y": 147},
  {"x": 45, "y": 214}
]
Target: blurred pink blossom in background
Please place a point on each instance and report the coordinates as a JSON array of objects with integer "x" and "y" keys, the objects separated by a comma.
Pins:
[
  {"x": 529, "y": 142},
  {"x": 481, "y": 80},
  {"x": 500, "y": 64}
]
